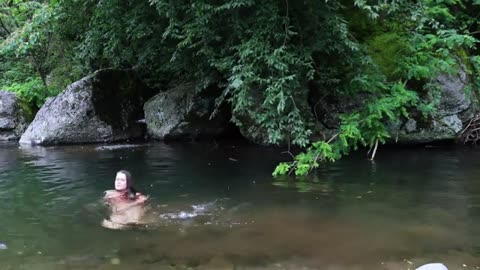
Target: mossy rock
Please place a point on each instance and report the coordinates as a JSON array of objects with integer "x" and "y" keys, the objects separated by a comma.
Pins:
[{"x": 14, "y": 114}]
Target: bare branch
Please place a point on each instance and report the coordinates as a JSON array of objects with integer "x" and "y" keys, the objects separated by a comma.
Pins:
[{"x": 374, "y": 149}]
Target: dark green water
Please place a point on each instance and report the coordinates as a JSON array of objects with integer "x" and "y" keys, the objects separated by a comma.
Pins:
[{"x": 217, "y": 207}]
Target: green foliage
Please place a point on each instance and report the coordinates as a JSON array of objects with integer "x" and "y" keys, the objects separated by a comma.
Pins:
[
  {"x": 36, "y": 61},
  {"x": 117, "y": 33},
  {"x": 14, "y": 71},
  {"x": 407, "y": 59},
  {"x": 33, "y": 92},
  {"x": 32, "y": 38},
  {"x": 361, "y": 128},
  {"x": 387, "y": 50},
  {"x": 264, "y": 70},
  {"x": 269, "y": 57}
]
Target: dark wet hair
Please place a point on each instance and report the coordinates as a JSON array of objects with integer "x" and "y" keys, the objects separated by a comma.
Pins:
[{"x": 131, "y": 191}]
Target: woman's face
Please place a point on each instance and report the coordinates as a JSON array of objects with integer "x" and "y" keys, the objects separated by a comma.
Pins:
[{"x": 120, "y": 182}]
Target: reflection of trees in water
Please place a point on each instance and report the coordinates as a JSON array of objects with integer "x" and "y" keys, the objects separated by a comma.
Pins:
[
  {"x": 47, "y": 179},
  {"x": 417, "y": 205},
  {"x": 53, "y": 188},
  {"x": 439, "y": 202},
  {"x": 47, "y": 188},
  {"x": 56, "y": 169},
  {"x": 79, "y": 165},
  {"x": 8, "y": 162},
  {"x": 412, "y": 202}
]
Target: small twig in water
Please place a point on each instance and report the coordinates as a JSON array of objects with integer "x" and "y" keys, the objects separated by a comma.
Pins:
[
  {"x": 288, "y": 150},
  {"x": 374, "y": 149}
]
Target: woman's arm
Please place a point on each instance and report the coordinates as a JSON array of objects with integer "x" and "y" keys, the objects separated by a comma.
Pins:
[
  {"x": 109, "y": 195},
  {"x": 141, "y": 199}
]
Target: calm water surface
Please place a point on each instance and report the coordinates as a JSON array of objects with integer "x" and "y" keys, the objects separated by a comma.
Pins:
[{"x": 217, "y": 207}]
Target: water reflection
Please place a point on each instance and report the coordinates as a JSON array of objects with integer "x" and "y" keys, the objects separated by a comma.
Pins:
[{"x": 215, "y": 207}]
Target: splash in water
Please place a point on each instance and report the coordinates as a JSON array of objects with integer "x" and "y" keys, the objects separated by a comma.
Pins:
[{"x": 205, "y": 209}]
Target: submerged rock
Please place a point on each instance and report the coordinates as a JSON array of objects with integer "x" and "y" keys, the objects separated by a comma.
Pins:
[
  {"x": 13, "y": 116},
  {"x": 117, "y": 147},
  {"x": 115, "y": 261},
  {"x": 433, "y": 266},
  {"x": 217, "y": 263},
  {"x": 102, "y": 107},
  {"x": 82, "y": 261}
]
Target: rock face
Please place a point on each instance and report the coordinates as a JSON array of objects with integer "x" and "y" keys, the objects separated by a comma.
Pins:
[
  {"x": 253, "y": 132},
  {"x": 13, "y": 118},
  {"x": 327, "y": 109},
  {"x": 182, "y": 113},
  {"x": 453, "y": 109},
  {"x": 102, "y": 107}
]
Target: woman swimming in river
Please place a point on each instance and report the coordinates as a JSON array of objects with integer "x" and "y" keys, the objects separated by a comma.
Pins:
[{"x": 126, "y": 205}]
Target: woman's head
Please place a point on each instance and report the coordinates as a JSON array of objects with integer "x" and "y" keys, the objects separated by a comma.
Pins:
[{"x": 123, "y": 180}]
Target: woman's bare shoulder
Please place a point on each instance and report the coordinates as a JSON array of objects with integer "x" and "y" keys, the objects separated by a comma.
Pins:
[{"x": 110, "y": 193}]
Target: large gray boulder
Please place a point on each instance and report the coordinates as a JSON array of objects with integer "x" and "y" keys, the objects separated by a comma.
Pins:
[
  {"x": 102, "y": 107},
  {"x": 181, "y": 113},
  {"x": 13, "y": 116}
]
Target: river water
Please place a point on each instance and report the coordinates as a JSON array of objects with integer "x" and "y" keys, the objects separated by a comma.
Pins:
[{"x": 216, "y": 206}]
